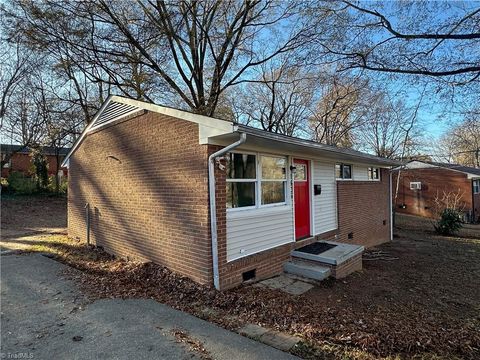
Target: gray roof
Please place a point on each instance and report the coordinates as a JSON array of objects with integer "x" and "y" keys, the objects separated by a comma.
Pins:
[
  {"x": 462, "y": 168},
  {"x": 315, "y": 145},
  {"x": 47, "y": 150}
]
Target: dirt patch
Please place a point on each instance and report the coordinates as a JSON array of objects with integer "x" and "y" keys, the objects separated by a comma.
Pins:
[
  {"x": 426, "y": 302},
  {"x": 417, "y": 297},
  {"x": 417, "y": 223},
  {"x": 33, "y": 213}
]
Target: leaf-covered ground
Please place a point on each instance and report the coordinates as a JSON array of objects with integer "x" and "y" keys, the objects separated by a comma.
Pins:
[{"x": 417, "y": 297}]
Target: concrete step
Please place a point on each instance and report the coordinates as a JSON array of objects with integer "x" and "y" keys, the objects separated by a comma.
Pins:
[
  {"x": 308, "y": 270},
  {"x": 335, "y": 256}
]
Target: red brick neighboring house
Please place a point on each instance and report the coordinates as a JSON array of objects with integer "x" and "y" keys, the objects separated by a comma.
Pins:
[
  {"x": 21, "y": 160},
  {"x": 422, "y": 182},
  {"x": 145, "y": 172}
]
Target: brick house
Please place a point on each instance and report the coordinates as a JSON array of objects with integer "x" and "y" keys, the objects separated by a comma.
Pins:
[
  {"x": 21, "y": 161},
  {"x": 422, "y": 182},
  {"x": 141, "y": 175}
]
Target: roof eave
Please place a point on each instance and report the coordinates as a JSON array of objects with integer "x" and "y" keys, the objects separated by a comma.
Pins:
[{"x": 320, "y": 147}]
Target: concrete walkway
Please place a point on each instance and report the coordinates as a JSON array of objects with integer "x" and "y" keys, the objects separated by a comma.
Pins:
[{"x": 43, "y": 316}]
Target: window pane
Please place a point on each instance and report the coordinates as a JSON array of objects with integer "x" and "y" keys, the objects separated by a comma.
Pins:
[
  {"x": 240, "y": 194},
  {"x": 273, "y": 167},
  {"x": 273, "y": 192},
  {"x": 347, "y": 171},
  {"x": 373, "y": 173},
  {"x": 241, "y": 166},
  {"x": 301, "y": 172},
  {"x": 338, "y": 171}
]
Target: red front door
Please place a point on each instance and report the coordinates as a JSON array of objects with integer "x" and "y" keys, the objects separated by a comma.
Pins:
[{"x": 302, "y": 199}]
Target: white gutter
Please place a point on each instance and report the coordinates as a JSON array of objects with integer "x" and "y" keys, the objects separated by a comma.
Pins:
[{"x": 213, "y": 205}]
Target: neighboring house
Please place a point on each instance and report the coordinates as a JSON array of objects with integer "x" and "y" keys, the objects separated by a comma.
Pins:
[
  {"x": 144, "y": 173},
  {"x": 423, "y": 183},
  {"x": 21, "y": 161}
]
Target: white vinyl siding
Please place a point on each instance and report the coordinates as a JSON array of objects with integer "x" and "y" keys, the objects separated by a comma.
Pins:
[
  {"x": 325, "y": 204},
  {"x": 252, "y": 231}
]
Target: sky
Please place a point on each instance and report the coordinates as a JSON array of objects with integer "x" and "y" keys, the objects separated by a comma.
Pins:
[{"x": 432, "y": 115}]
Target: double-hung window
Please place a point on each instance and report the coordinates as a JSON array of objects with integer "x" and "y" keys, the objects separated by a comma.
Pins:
[
  {"x": 241, "y": 180},
  {"x": 255, "y": 180},
  {"x": 274, "y": 179},
  {"x": 343, "y": 171},
  {"x": 373, "y": 173},
  {"x": 476, "y": 186}
]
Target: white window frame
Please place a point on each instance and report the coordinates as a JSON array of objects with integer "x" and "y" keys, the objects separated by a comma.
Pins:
[
  {"x": 258, "y": 181},
  {"x": 476, "y": 186},
  {"x": 368, "y": 173},
  {"x": 415, "y": 185},
  {"x": 245, "y": 180},
  {"x": 341, "y": 170},
  {"x": 261, "y": 179}
]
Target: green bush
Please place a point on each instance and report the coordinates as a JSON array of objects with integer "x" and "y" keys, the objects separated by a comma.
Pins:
[
  {"x": 4, "y": 184},
  {"x": 40, "y": 167},
  {"x": 62, "y": 188},
  {"x": 20, "y": 184},
  {"x": 449, "y": 223}
]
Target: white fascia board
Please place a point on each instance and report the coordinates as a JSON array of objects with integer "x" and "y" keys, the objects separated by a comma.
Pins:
[
  {"x": 205, "y": 132},
  {"x": 179, "y": 114},
  {"x": 473, "y": 176},
  {"x": 65, "y": 162}
]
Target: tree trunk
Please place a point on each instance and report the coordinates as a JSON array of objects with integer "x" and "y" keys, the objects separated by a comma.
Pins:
[{"x": 57, "y": 177}]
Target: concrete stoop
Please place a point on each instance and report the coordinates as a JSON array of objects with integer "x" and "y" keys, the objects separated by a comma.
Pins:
[
  {"x": 339, "y": 261},
  {"x": 307, "y": 269}
]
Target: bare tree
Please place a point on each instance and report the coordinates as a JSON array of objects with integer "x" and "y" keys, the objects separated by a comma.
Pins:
[
  {"x": 340, "y": 110},
  {"x": 24, "y": 123},
  {"x": 413, "y": 38},
  {"x": 15, "y": 65},
  {"x": 196, "y": 49},
  {"x": 280, "y": 100},
  {"x": 391, "y": 129},
  {"x": 461, "y": 143}
]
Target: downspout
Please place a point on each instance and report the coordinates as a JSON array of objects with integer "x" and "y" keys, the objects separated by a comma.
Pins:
[
  {"x": 391, "y": 206},
  {"x": 474, "y": 215},
  {"x": 213, "y": 205}
]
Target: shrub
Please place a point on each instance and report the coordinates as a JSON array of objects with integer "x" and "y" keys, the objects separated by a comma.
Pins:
[
  {"x": 19, "y": 183},
  {"x": 62, "y": 188},
  {"x": 4, "y": 184},
  {"x": 40, "y": 166},
  {"x": 449, "y": 223}
]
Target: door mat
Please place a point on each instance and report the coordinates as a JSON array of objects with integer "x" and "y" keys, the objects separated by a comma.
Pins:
[{"x": 316, "y": 248}]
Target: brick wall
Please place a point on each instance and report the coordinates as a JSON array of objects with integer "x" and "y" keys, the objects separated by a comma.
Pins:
[
  {"x": 476, "y": 207},
  {"x": 146, "y": 181},
  {"x": 434, "y": 181},
  {"x": 368, "y": 228},
  {"x": 23, "y": 163},
  {"x": 363, "y": 210}
]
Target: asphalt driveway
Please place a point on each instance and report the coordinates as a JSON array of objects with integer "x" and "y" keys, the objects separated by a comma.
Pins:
[{"x": 43, "y": 316}]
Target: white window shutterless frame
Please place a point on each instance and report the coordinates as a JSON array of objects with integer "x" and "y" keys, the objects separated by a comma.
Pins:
[{"x": 259, "y": 181}]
